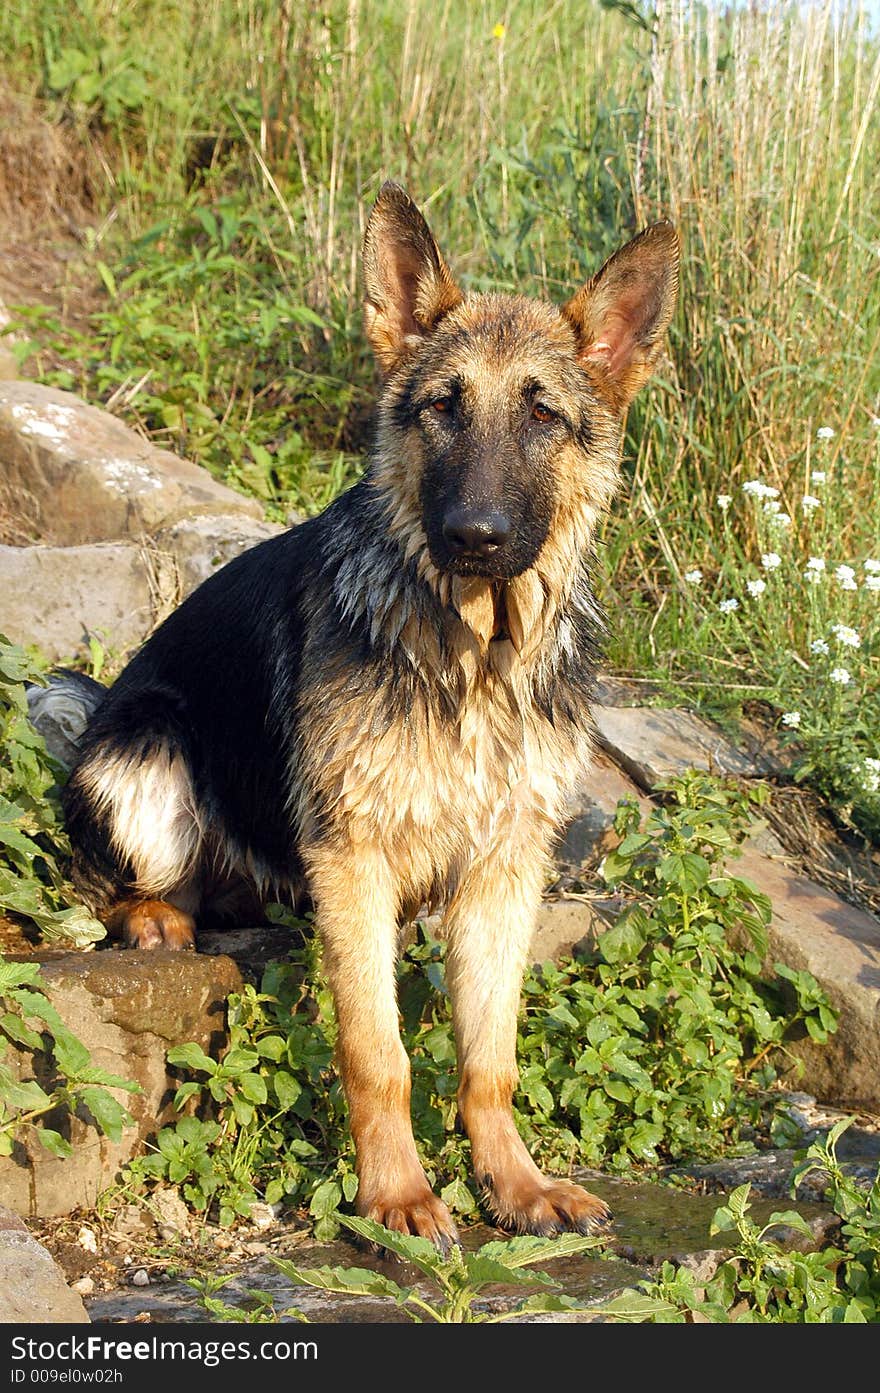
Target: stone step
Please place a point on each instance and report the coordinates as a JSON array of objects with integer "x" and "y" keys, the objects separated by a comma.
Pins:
[{"x": 128, "y": 1008}]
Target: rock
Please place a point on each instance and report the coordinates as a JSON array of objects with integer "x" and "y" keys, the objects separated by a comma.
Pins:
[
  {"x": 565, "y": 928},
  {"x": 128, "y": 1008},
  {"x": 655, "y": 743},
  {"x": 56, "y": 597},
  {"x": 62, "y": 710},
  {"x": 92, "y": 477},
  {"x": 171, "y": 1213},
  {"x": 814, "y": 929},
  {"x": 590, "y": 816},
  {"x": 140, "y": 1278},
  {"x": 201, "y": 545},
  {"x": 87, "y": 1240},
  {"x": 85, "y": 1286},
  {"x": 32, "y": 1287},
  {"x": 262, "y": 1216}
]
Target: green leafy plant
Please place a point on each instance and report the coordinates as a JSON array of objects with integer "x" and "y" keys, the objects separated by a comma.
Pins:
[
  {"x": 260, "y": 1309},
  {"x": 664, "y": 1045},
  {"x": 29, "y": 1021},
  {"x": 33, "y": 844},
  {"x": 278, "y": 1106},
  {"x": 762, "y": 1282},
  {"x": 661, "y": 1045},
  {"x": 461, "y": 1277}
]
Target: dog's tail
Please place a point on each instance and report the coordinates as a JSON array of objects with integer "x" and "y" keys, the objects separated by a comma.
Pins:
[{"x": 61, "y": 711}]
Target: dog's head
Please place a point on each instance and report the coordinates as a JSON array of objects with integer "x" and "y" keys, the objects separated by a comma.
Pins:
[{"x": 502, "y": 415}]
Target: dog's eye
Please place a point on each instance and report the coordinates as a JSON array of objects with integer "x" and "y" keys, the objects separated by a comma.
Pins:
[
  {"x": 442, "y": 405},
  {"x": 542, "y": 413}
]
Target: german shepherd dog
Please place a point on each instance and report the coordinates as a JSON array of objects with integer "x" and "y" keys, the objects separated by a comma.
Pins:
[{"x": 388, "y": 703}]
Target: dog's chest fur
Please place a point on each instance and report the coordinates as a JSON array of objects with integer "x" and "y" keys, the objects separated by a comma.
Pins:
[{"x": 443, "y": 762}]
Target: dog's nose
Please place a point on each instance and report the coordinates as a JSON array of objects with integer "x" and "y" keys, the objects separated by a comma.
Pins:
[{"x": 468, "y": 532}]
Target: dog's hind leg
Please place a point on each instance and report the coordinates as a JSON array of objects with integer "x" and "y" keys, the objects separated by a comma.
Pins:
[{"x": 137, "y": 836}]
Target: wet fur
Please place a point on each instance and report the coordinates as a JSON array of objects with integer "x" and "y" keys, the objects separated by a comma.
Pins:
[{"x": 348, "y": 710}]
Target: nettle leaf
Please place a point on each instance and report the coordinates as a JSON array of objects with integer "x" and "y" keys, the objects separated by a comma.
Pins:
[
  {"x": 253, "y": 1086},
  {"x": 357, "y": 1281},
  {"x": 325, "y": 1199},
  {"x": 531, "y": 1248},
  {"x": 110, "y": 1115},
  {"x": 15, "y": 1028},
  {"x": 419, "y": 1251},
  {"x": 54, "y": 1142},
  {"x": 191, "y": 1056},
  {"x": 483, "y": 1271},
  {"x": 26, "y": 1096},
  {"x": 625, "y": 940},
  {"x": 687, "y": 871},
  {"x": 458, "y": 1197},
  {"x": 286, "y": 1086},
  {"x": 637, "y": 1306}
]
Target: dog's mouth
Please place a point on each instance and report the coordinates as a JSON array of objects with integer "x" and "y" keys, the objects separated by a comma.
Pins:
[{"x": 495, "y": 566}]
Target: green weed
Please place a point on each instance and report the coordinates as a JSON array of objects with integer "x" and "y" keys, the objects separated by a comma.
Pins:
[
  {"x": 763, "y": 1283},
  {"x": 663, "y": 1044}
]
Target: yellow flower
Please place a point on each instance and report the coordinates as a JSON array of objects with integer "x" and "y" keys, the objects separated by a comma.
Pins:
[{"x": 499, "y": 31}]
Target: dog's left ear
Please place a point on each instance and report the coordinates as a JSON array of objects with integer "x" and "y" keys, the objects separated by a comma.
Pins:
[
  {"x": 622, "y": 314},
  {"x": 409, "y": 286}
]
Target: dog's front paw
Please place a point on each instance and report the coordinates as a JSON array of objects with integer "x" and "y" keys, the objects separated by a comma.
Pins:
[
  {"x": 153, "y": 924},
  {"x": 423, "y": 1216},
  {"x": 547, "y": 1207}
]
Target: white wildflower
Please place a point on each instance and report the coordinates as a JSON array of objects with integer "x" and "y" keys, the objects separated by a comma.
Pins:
[
  {"x": 872, "y": 583},
  {"x": 809, "y": 502},
  {"x": 756, "y": 587},
  {"x": 845, "y": 635},
  {"x": 758, "y": 489},
  {"x": 825, "y": 433},
  {"x": 872, "y": 566},
  {"x": 816, "y": 563},
  {"x": 812, "y": 577},
  {"x": 871, "y": 776},
  {"x": 694, "y": 577},
  {"x": 820, "y": 646},
  {"x": 818, "y": 476},
  {"x": 770, "y": 560},
  {"x": 772, "y": 506},
  {"x": 728, "y": 606},
  {"x": 724, "y": 501},
  {"x": 875, "y": 422},
  {"x": 791, "y": 718},
  {"x": 780, "y": 519},
  {"x": 841, "y": 676},
  {"x": 846, "y": 577}
]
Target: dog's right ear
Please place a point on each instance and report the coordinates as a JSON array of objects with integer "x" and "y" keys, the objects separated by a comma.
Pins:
[{"x": 409, "y": 286}]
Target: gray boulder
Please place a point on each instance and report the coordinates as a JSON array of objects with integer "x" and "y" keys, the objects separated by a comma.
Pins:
[
  {"x": 91, "y": 477},
  {"x": 32, "y": 1286}
]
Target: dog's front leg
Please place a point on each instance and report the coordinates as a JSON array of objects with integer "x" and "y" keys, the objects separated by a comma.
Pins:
[
  {"x": 356, "y": 914},
  {"x": 489, "y": 926}
]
